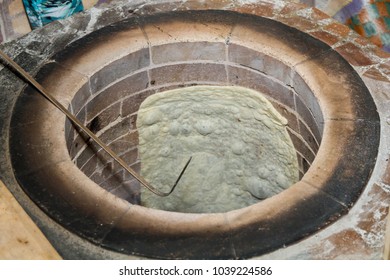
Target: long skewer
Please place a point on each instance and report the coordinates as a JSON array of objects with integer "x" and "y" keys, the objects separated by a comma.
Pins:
[{"x": 28, "y": 78}]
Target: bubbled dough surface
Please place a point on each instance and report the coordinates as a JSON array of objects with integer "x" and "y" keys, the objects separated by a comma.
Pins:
[{"x": 241, "y": 151}]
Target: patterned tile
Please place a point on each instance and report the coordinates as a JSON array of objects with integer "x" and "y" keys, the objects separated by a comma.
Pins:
[{"x": 370, "y": 19}]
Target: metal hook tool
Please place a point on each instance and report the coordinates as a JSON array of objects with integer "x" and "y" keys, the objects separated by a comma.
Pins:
[{"x": 77, "y": 123}]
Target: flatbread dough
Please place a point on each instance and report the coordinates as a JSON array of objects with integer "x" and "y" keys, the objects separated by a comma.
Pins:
[{"x": 241, "y": 151}]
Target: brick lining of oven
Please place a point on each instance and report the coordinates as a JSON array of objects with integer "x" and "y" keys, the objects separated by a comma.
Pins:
[{"x": 110, "y": 107}]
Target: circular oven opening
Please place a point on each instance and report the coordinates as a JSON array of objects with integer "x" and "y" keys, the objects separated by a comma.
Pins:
[
  {"x": 110, "y": 72},
  {"x": 110, "y": 107},
  {"x": 115, "y": 121}
]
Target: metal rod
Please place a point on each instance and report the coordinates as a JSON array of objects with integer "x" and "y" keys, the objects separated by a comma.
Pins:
[{"x": 76, "y": 122}]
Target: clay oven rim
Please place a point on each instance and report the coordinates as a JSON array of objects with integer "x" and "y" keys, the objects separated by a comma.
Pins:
[{"x": 332, "y": 184}]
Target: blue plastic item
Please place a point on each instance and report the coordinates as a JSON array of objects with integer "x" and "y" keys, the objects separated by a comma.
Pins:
[{"x": 41, "y": 12}]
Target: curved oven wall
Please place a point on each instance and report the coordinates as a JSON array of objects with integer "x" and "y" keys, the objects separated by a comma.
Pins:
[
  {"x": 110, "y": 109},
  {"x": 104, "y": 76}
]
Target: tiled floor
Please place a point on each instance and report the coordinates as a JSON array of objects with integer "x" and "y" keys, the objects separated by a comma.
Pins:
[
  {"x": 369, "y": 18},
  {"x": 14, "y": 22}
]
